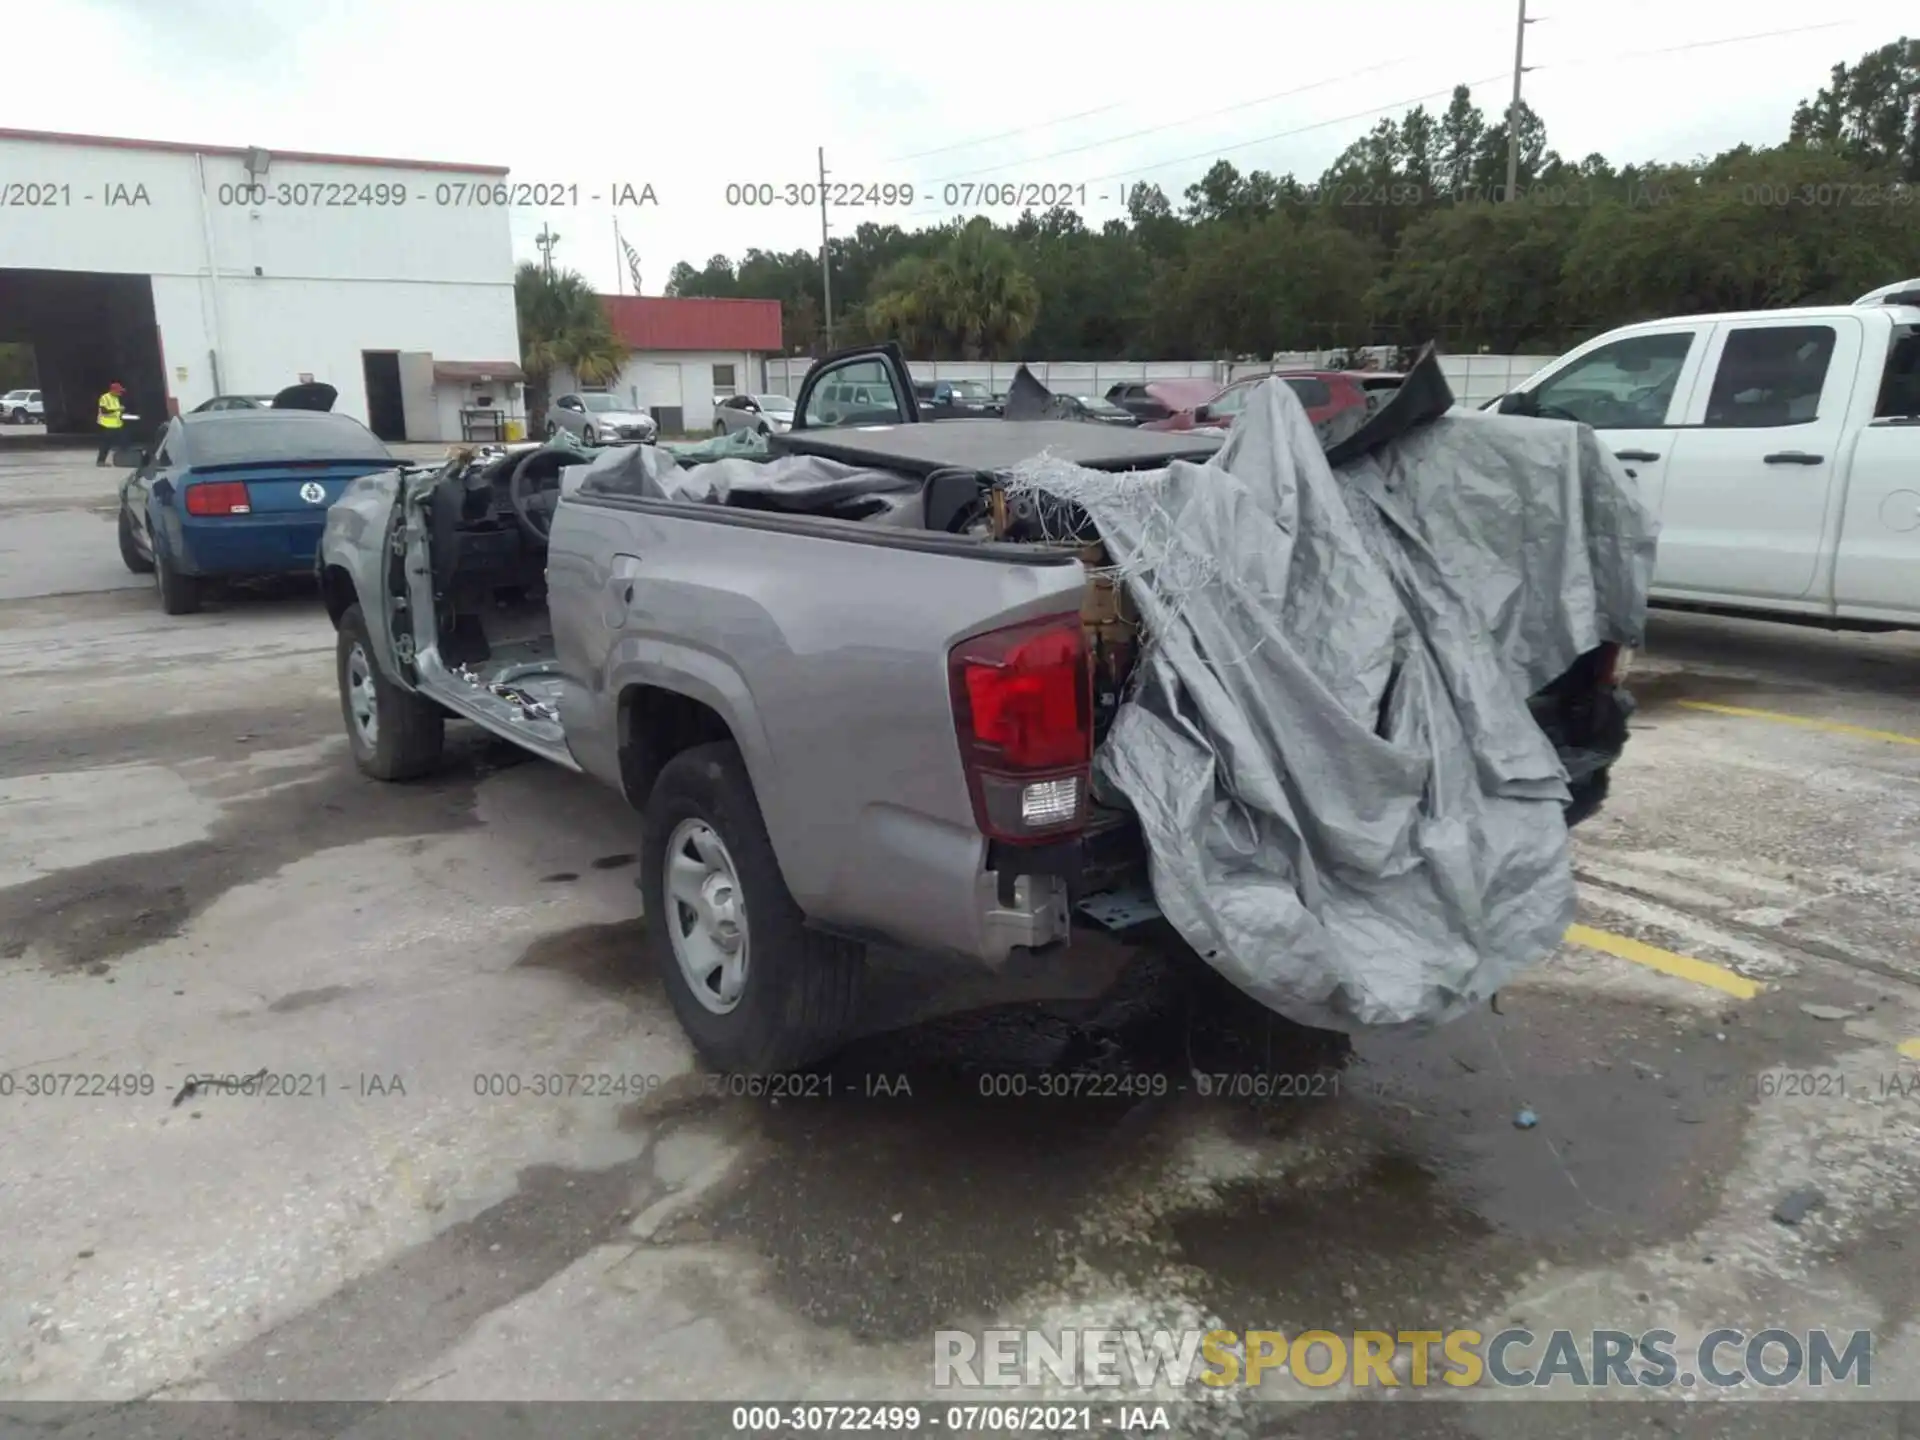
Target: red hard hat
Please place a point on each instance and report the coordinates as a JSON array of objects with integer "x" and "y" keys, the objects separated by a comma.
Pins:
[{"x": 117, "y": 388}]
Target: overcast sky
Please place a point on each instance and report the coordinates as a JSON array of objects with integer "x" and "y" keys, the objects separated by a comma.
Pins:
[{"x": 688, "y": 97}]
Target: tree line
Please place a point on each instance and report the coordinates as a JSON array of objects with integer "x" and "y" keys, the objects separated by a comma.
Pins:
[{"x": 1407, "y": 236}]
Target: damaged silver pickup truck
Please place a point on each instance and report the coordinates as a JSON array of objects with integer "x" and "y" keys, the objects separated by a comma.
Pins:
[{"x": 948, "y": 685}]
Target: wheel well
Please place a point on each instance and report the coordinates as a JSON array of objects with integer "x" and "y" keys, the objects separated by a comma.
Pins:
[
  {"x": 656, "y": 724},
  {"x": 336, "y": 588}
]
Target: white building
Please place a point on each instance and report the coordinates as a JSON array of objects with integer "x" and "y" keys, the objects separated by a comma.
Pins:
[
  {"x": 185, "y": 271},
  {"x": 684, "y": 352}
]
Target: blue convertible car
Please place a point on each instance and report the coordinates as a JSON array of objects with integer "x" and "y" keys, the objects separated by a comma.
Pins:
[{"x": 231, "y": 494}]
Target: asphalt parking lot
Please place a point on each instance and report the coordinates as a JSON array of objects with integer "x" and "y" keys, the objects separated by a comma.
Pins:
[{"x": 194, "y": 879}]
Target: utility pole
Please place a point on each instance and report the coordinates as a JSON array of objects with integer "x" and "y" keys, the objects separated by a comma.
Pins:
[
  {"x": 826, "y": 269},
  {"x": 546, "y": 240},
  {"x": 1513, "y": 108}
]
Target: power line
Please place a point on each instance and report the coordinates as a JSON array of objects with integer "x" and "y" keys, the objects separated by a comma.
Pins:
[
  {"x": 1298, "y": 130},
  {"x": 1694, "y": 45},
  {"x": 1005, "y": 134},
  {"x": 1218, "y": 150},
  {"x": 1320, "y": 85},
  {"x": 1191, "y": 119}
]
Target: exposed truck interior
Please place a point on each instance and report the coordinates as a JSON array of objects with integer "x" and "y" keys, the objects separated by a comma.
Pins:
[
  {"x": 487, "y": 514},
  {"x": 488, "y": 511}
]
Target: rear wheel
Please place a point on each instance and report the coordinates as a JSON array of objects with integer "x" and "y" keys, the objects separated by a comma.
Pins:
[
  {"x": 130, "y": 552},
  {"x": 755, "y": 989},
  {"x": 179, "y": 594},
  {"x": 395, "y": 734}
]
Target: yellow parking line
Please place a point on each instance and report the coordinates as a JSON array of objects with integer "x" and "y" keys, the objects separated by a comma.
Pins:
[
  {"x": 1681, "y": 967},
  {"x": 1910, "y": 1049},
  {"x": 1836, "y": 727}
]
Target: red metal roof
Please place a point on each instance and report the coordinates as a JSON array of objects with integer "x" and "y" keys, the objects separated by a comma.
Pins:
[
  {"x": 659, "y": 322},
  {"x": 117, "y": 142}
]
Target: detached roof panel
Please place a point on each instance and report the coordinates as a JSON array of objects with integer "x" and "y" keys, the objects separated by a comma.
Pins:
[{"x": 994, "y": 445}]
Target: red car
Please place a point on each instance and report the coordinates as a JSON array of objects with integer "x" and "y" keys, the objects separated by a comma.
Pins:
[{"x": 1324, "y": 393}]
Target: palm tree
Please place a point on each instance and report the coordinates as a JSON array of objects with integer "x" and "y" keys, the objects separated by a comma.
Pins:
[
  {"x": 562, "y": 326},
  {"x": 991, "y": 303},
  {"x": 972, "y": 299}
]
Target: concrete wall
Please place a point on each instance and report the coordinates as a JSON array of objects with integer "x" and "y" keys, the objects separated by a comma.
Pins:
[
  {"x": 661, "y": 380},
  {"x": 275, "y": 288},
  {"x": 1475, "y": 378}
]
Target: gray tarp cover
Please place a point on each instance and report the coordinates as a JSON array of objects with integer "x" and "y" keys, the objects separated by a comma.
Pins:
[{"x": 1349, "y": 810}]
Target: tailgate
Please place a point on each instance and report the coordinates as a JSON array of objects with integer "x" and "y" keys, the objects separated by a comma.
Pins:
[{"x": 291, "y": 488}]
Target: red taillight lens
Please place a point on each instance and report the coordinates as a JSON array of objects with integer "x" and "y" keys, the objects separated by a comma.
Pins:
[
  {"x": 219, "y": 497},
  {"x": 1028, "y": 701},
  {"x": 1023, "y": 706}
]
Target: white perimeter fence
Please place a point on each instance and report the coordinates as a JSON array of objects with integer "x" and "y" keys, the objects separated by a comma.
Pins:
[{"x": 1475, "y": 378}]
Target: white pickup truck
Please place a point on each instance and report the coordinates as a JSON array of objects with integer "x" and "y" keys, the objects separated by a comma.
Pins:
[{"x": 1780, "y": 448}]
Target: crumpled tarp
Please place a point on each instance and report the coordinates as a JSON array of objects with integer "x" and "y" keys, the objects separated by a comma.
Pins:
[
  {"x": 734, "y": 442},
  {"x": 805, "y": 484},
  {"x": 1349, "y": 811}
]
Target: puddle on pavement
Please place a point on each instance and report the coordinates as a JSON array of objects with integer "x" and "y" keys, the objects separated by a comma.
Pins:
[
  {"x": 611, "y": 957},
  {"x": 84, "y": 917},
  {"x": 925, "y": 1176}
]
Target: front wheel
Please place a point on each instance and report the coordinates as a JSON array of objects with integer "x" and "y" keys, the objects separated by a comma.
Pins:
[
  {"x": 395, "y": 734},
  {"x": 552, "y": 429},
  {"x": 20, "y": 417},
  {"x": 754, "y": 988},
  {"x": 130, "y": 552},
  {"x": 587, "y": 435}
]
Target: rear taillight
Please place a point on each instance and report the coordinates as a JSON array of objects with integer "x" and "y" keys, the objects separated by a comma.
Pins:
[
  {"x": 1023, "y": 706},
  {"x": 219, "y": 497}
]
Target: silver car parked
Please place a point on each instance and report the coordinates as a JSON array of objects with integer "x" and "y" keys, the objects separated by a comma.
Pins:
[
  {"x": 598, "y": 418},
  {"x": 769, "y": 414}
]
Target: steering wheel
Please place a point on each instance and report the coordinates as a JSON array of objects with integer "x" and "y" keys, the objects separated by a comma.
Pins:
[{"x": 530, "y": 506}]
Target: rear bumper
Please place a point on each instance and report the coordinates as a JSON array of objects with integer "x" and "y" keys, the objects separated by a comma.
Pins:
[
  {"x": 248, "y": 544},
  {"x": 1034, "y": 889}
]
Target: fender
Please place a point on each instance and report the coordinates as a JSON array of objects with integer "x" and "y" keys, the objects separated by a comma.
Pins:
[{"x": 714, "y": 682}]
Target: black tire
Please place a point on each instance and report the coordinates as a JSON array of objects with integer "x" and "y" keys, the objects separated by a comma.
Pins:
[
  {"x": 586, "y": 436},
  {"x": 20, "y": 417},
  {"x": 179, "y": 594},
  {"x": 551, "y": 428},
  {"x": 802, "y": 988},
  {"x": 129, "y": 552},
  {"x": 719, "y": 429},
  {"x": 409, "y": 732}
]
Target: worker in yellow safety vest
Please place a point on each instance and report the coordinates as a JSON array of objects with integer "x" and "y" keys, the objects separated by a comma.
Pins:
[{"x": 110, "y": 420}]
